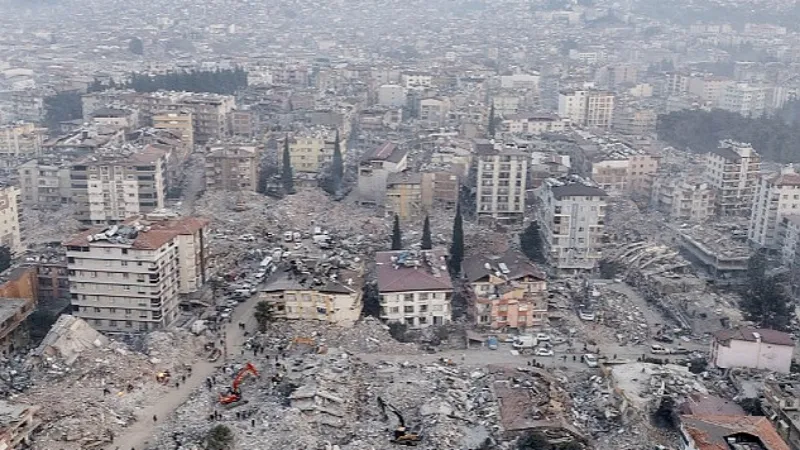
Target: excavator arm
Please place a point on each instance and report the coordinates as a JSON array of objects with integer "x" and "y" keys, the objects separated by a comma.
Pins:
[{"x": 235, "y": 395}]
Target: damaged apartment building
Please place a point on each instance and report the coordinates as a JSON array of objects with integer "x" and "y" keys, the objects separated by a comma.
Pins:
[
  {"x": 510, "y": 292},
  {"x": 414, "y": 287},
  {"x": 572, "y": 223},
  {"x": 17, "y": 422},
  {"x": 323, "y": 289},
  {"x": 129, "y": 277}
]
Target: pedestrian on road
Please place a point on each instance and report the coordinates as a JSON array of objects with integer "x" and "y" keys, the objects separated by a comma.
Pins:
[
  {"x": 253, "y": 423},
  {"x": 155, "y": 419}
]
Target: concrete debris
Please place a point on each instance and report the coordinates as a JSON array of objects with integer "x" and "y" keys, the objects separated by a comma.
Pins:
[{"x": 94, "y": 387}]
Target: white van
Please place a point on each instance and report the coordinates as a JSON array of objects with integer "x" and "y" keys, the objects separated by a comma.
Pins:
[{"x": 521, "y": 342}]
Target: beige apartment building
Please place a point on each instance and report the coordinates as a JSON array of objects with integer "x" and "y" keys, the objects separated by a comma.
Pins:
[
  {"x": 108, "y": 188},
  {"x": 502, "y": 178},
  {"x": 128, "y": 277},
  {"x": 21, "y": 140},
  {"x": 311, "y": 151},
  {"x": 182, "y": 124},
  {"x": 9, "y": 219},
  {"x": 572, "y": 223},
  {"x": 777, "y": 195},
  {"x": 635, "y": 121},
  {"x": 621, "y": 170},
  {"x": 44, "y": 185},
  {"x": 232, "y": 168},
  {"x": 733, "y": 169},
  {"x": 374, "y": 170}
]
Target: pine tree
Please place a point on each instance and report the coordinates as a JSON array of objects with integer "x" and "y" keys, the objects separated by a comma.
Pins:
[
  {"x": 530, "y": 242},
  {"x": 427, "y": 242},
  {"x": 337, "y": 166},
  {"x": 397, "y": 236},
  {"x": 457, "y": 246},
  {"x": 491, "y": 121},
  {"x": 287, "y": 177}
]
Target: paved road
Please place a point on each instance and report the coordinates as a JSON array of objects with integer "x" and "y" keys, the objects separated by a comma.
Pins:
[{"x": 141, "y": 433}]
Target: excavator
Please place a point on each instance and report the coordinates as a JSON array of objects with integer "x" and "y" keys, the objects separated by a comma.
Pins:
[
  {"x": 402, "y": 435},
  {"x": 234, "y": 395}
]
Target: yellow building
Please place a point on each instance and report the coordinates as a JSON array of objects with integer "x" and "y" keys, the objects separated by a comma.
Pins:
[
  {"x": 404, "y": 195},
  {"x": 312, "y": 152},
  {"x": 180, "y": 123}
]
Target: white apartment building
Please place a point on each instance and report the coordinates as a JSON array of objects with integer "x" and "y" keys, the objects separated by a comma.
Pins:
[
  {"x": 776, "y": 196},
  {"x": 414, "y": 287},
  {"x": 572, "y": 222},
  {"x": 733, "y": 170},
  {"x": 502, "y": 179},
  {"x": 416, "y": 80},
  {"x": 749, "y": 101},
  {"x": 109, "y": 188},
  {"x": 709, "y": 88},
  {"x": 374, "y": 170},
  {"x": 9, "y": 219},
  {"x": 790, "y": 241},
  {"x": 434, "y": 111},
  {"x": 587, "y": 108},
  {"x": 128, "y": 278},
  {"x": 532, "y": 123},
  {"x": 392, "y": 95},
  {"x": 683, "y": 200},
  {"x": 520, "y": 81}
]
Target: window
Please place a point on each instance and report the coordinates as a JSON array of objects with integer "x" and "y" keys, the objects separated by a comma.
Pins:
[
  {"x": 422, "y": 320},
  {"x": 423, "y": 308},
  {"x": 408, "y": 309},
  {"x": 97, "y": 310},
  {"x": 423, "y": 296},
  {"x": 437, "y": 308},
  {"x": 128, "y": 324},
  {"x": 394, "y": 310},
  {"x": 408, "y": 297}
]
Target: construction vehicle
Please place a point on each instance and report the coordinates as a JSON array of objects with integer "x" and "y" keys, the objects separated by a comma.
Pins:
[
  {"x": 234, "y": 395},
  {"x": 402, "y": 434}
]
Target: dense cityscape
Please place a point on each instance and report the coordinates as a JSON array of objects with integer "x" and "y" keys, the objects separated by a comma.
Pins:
[{"x": 361, "y": 225}]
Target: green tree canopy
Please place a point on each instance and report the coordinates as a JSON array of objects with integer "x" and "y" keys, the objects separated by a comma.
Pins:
[
  {"x": 427, "y": 241},
  {"x": 397, "y": 235},
  {"x": 457, "y": 245}
]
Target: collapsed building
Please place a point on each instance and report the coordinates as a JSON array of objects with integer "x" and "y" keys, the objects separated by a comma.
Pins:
[{"x": 316, "y": 289}]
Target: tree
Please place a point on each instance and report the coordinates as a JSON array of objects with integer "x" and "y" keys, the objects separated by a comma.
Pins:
[
  {"x": 764, "y": 300},
  {"x": 63, "y": 106},
  {"x": 337, "y": 166},
  {"x": 372, "y": 300},
  {"x": 263, "y": 314},
  {"x": 530, "y": 241},
  {"x": 492, "y": 124},
  {"x": 397, "y": 235},
  {"x": 427, "y": 242},
  {"x": 219, "y": 437},
  {"x": 766, "y": 303},
  {"x": 287, "y": 177},
  {"x": 5, "y": 257},
  {"x": 457, "y": 245},
  {"x": 136, "y": 46},
  {"x": 751, "y": 406}
]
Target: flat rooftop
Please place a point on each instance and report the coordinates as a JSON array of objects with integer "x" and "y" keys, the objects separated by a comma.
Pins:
[{"x": 9, "y": 307}]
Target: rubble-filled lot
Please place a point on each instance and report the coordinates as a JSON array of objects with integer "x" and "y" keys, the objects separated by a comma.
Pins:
[{"x": 91, "y": 388}]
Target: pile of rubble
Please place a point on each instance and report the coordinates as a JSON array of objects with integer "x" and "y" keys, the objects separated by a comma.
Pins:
[
  {"x": 91, "y": 388},
  {"x": 317, "y": 397},
  {"x": 369, "y": 335}
]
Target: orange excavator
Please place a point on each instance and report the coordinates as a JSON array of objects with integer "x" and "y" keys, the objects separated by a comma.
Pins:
[{"x": 234, "y": 395}]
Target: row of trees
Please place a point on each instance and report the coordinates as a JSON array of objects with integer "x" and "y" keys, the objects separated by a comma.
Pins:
[
  {"x": 700, "y": 131},
  {"x": 397, "y": 235},
  {"x": 765, "y": 298},
  {"x": 220, "y": 81}
]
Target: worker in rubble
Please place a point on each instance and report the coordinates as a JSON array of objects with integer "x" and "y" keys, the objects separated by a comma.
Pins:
[{"x": 155, "y": 419}]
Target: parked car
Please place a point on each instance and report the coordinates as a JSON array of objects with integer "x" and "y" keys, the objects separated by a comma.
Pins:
[
  {"x": 590, "y": 360},
  {"x": 491, "y": 342},
  {"x": 544, "y": 352},
  {"x": 541, "y": 337},
  {"x": 663, "y": 338},
  {"x": 658, "y": 349},
  {"x": 586, "y": 315}
]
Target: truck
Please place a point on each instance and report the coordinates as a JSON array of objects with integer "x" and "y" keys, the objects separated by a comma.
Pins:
[{"x": 521, "y": 342}]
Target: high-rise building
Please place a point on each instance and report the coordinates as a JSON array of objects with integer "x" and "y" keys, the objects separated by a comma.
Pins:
[
  {"x": 128, "y": 278},
  {"x": 733, "y": 170},
  {"x": 776, "y": 196},
  {"x": 502, "y": 178},
  {"x": 21, "y": 140},
  {"x": 107, "y": 188},
  {"x": 749, "y": 101},
  {"x": 587, "y": 108},
  {"x": 232, "y": 168},
  {"x": 572, "y": 221},
  {"x": 44, "y": 184},
  {"x": 312, "y": 151},
  {"x": 182, "y": 124}
]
